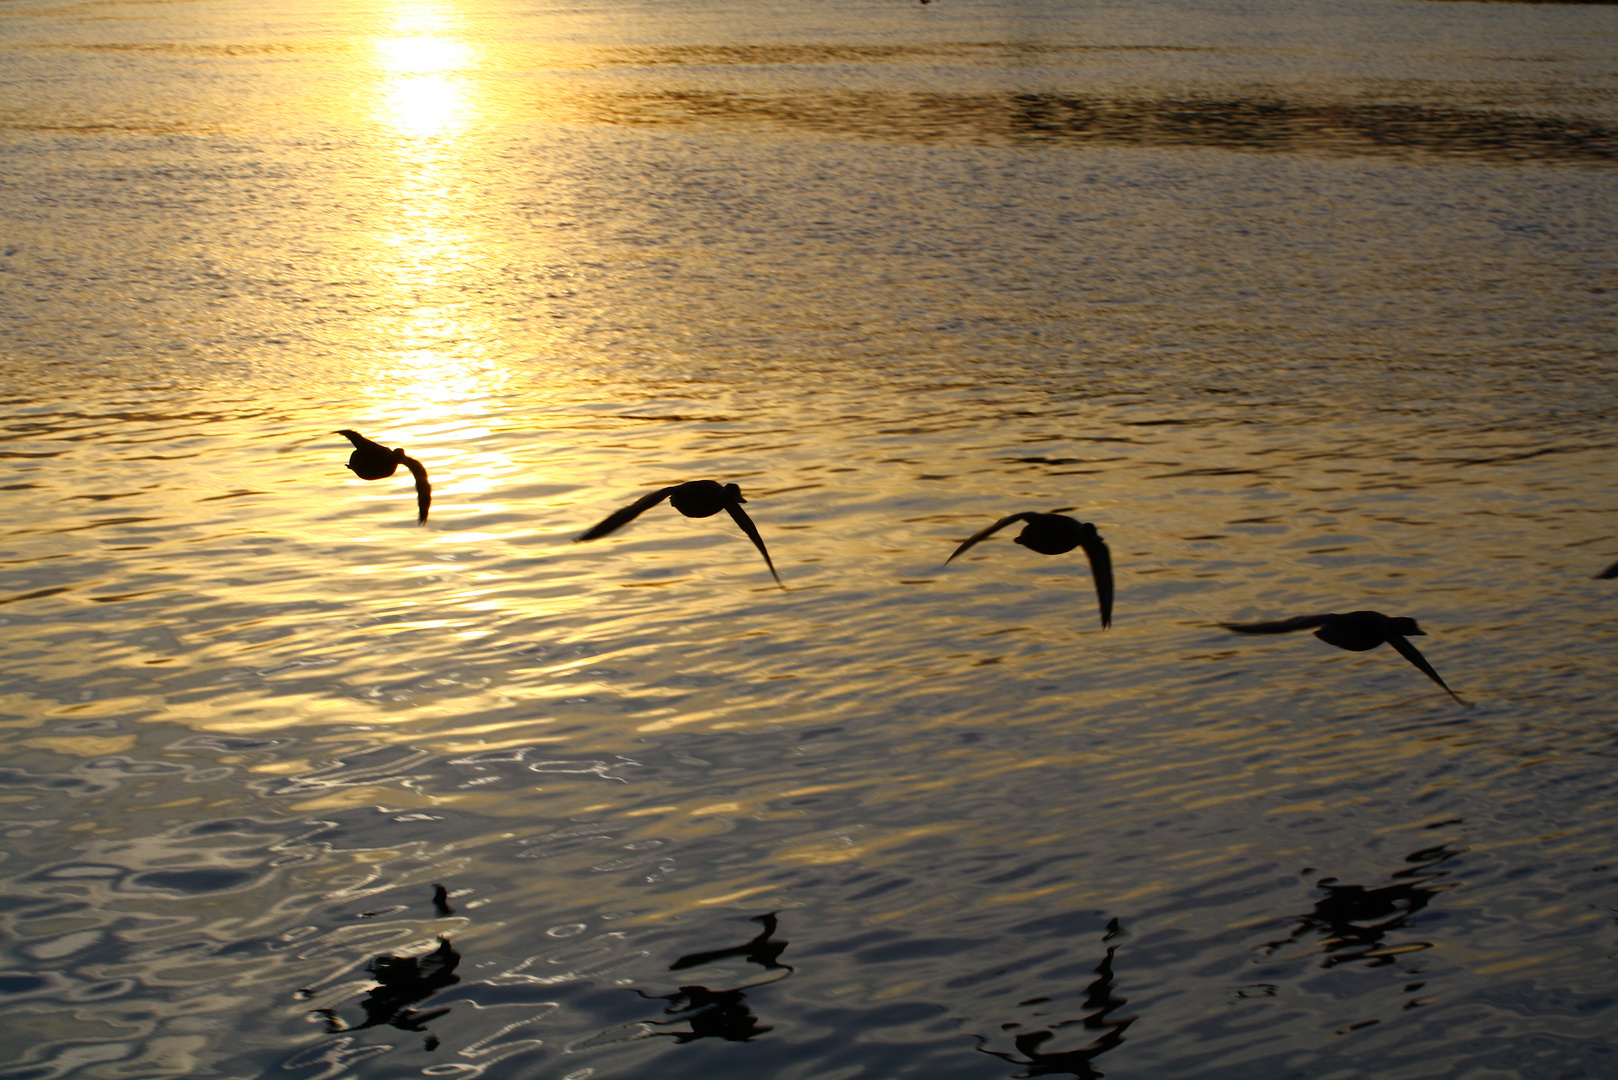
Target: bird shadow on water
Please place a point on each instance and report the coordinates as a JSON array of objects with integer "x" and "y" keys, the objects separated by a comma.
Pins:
[
  {"x": 402, "y": 981},
  {"x": 709, "y": 1013},
  {"x": 1354, "y": 924},
  {"x": 1101, "y": 1001},
  {"x": 1355, "y": 921},
  {"x": 723, "y": 1014}
]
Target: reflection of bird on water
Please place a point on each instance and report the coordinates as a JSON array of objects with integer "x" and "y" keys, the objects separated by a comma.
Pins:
[
  {"x": 761, "y": 950},
  {"x": 1098, "y": 997},
  {"x": 720, "y": 1014},
  {"x": 1357, "y": 631},
  {"x": 373, "y": 461},
  {"x": 1354, "y": 920},
  {"x": 723, "y": 1014},
  {"x": 404, "y": 980},
  {"x": 1056, "y": 534},
  {"x": 1609, "y": 572},
  {"x": 694, "y": 499}
]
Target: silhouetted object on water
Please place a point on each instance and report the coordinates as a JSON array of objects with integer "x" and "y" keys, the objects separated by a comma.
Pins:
[
  {"x": 1098, "y": 998},
  {"x": 441, "y": 901},
  {"x": 1609, "y": 572},
  {"x": 373, "y": 461},
  {"x": 1056, "y": 534},
  {"x": 1355, "y": 921},
  {"x": 761, "y": 950},
  {"x": 723, "y": 1014},
  {"x": 694, "y": 499},
  {"x": 712, "y": 1014},
  {"x": 404, "y": 981},
  {"x": 1357, "y": 631}
]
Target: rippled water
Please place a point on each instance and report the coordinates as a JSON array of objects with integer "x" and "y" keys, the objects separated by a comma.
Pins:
[{"x": 1309, "y": 307}]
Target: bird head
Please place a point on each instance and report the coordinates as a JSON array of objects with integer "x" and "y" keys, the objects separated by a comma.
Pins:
[
  {"x": 734, "y": 492},
  {"x": 1406, "y": 627}
]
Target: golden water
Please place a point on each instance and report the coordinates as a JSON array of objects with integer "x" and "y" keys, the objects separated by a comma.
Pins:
[{"x": 1308, "y": 307}]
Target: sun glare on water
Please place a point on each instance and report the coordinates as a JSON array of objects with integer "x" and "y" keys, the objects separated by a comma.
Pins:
[
  {"x": 435, "y": 351},
  {"x": 426, "y": 241},
  {"x": 424, "y": 88}
]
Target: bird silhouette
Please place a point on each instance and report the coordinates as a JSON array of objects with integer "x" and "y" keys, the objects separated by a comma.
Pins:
[
  {"x": 404, "y": 980},
  {"x": 1609, "y": 572},
  {"x": 760, "y": 950},
  {"x": 1356, "y": 631},
  {"x": 441, "y": 902},
  {"x": 373, "y": 461},
  {"x": 1056, "y": 534},
  {"x": 694, "y": 499}
]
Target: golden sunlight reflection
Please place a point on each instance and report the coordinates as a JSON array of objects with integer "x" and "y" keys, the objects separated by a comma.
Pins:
[
  {"x": 422, "y": 55},
  {"x": 425, "y": 104},
  {"x": 437, "y": 346}
]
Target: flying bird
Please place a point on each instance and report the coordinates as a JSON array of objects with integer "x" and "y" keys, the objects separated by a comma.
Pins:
[
  {"x": 373, "y": 461},
  {"x": 1056, "y": 534},
  {"x": 694, "y": 499},
  {"x": 1356, "y": 631}
]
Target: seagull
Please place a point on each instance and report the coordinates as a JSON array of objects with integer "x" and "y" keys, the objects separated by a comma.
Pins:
[
  {"x": 1357, "y": 631},
  {"x": 1609, "y": 572},
  {"x": 1056, "y": 534},
  {"x": 373, "y": 461},
  {"x": 694, "y": 499}
]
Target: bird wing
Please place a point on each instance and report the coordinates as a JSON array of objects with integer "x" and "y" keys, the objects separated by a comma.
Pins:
[
  {"x": 986, "y": 533},
  {"x": 1413, "y": 654},
  {"x": 1277, "y": 626},
  {"x": 1609, "y": 572},
  {"x": 615, "y": 521},
  {"x": 360, "y": 441},
  {"x": 424, "y": 490},
  {"x": 1101, "y": 570},
  {"x": 740, "y": 517}
]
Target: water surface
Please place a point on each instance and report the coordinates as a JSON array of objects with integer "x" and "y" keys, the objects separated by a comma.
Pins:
[{"x": 1308, "y": 307}]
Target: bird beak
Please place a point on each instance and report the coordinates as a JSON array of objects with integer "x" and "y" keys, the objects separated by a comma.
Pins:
[{"x": 1418, "y": 632}]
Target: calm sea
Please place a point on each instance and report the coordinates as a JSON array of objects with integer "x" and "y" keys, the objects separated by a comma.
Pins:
[{"x": 1307, "y": 306}]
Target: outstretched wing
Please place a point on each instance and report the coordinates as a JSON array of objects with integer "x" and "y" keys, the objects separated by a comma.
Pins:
[
  {"x": 1278, "y": 626},
  {"x": 986, "y": 533},
  {"x": 1101, "y": 570},
  {"x": 1413, "y": 654},
  {"x": 424, "y": 490},
  {"x": 740, "y": 517},
  {"x": 618, "y": 520},
  {"x": 1609, "y": 572},
  {"x": 361, "y": 442}
]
